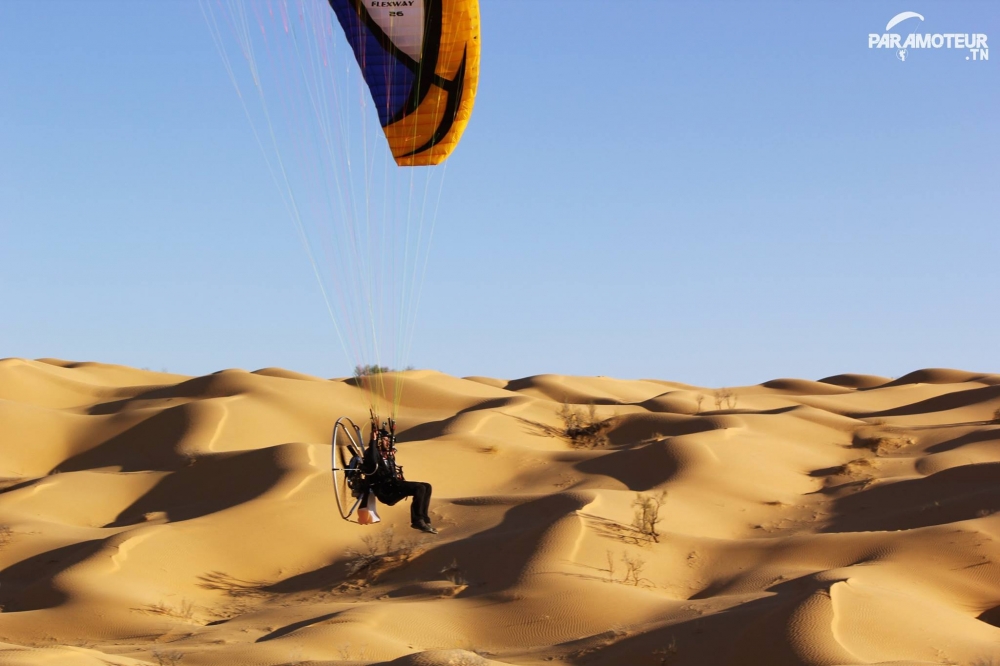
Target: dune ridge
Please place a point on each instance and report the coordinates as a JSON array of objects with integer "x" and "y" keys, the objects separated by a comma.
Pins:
[{"x": 155, "y": 518}]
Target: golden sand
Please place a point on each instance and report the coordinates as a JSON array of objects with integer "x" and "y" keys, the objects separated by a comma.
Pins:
[{"x": 152, "y": 518}]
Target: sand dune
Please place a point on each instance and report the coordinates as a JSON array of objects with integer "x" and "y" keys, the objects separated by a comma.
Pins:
[{"x": 153, "y": 518}]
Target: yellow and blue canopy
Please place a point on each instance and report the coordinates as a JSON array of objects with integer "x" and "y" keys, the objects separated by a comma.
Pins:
[{"x": 420, "y": 59}]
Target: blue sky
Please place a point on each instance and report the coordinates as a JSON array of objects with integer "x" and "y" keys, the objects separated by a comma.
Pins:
[{"x": 715, "y": 193}]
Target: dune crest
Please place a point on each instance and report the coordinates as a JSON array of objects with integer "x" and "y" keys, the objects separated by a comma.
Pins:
[{"x": 154, "y": 518}]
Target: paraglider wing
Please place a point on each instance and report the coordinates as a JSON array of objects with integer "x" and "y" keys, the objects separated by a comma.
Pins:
[{"x": 420, "y": 59}]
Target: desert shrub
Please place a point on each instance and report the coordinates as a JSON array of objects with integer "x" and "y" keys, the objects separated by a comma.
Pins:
[
  {"x": 379, "y": 554},
  {"x": 725, "y": 399},
  {"x": 647, "y": 513},
  {"x": 367, "y": 370},
  {"x": 183, "y": 610},
  {"x": 668, "y": 654},
  {"x": 861, "y": 467},
  {"x": 167, "y": 658},
  {"x": 880, "y": 441},
  {"x": 633, "y": 569},
  {"x": 235, "y": 587},
  {"x": 996, "y": 415},
  {"x": 454, "y": 573},
  {"x": 582, "y": 428}
]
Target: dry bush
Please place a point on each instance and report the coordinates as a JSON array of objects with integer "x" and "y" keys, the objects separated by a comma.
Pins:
[
  {"x": 880, "y": 442},
  {"x": 368, "y": 370},
  {"x": 647, "y": 513},
  {"x": 453, "y": 573},
  {"x": 380, "y": 553},
  {"x": 996, "y": 415},
  {"x": 583, "y": 429},
  {"x": 6, "y": 535},
  {"x": 167, "y": 658},
  {"x": 184, "y": 610},
  {"x": 861, "y": 467},
  {"x": 667, "y": 655},
  {"x": 238, "y": 588},
  {"x": 725, "y": 398},
  {"x": 633, "y": 569},
  {"x": 345, "y": 652}
]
